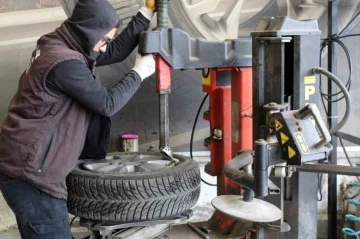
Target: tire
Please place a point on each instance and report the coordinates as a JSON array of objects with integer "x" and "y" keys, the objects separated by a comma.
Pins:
[
  {"x": 179, "y": 17},
  {"x": 126, "y": 8},
  {"x": 112, "y": 197}
]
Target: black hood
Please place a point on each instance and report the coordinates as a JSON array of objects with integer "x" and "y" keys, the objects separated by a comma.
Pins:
[{"x": 90, "y": 21}]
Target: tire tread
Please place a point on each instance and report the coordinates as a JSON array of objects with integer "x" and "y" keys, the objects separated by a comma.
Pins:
[{"x": 135, "y": 199}]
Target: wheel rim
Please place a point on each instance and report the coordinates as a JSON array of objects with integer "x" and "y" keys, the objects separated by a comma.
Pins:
[
  {"x": 126, "y": 164},
  {"x": 229, "y": 19},
  {"x": 216, "y": 19},
  {"x": 226, "y": 19}
]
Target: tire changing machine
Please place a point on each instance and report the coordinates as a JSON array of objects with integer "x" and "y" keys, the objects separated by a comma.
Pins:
[{"x": 266, "y": 88}]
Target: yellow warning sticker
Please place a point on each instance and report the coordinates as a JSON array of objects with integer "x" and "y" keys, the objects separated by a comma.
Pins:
[
  {"x": 206, "y": 81},
  {"x": 309, "y": 80},
  {"x": 284, "y": 138},
  {"x": 291, "y": 152},
  {"x": 278, "y": 125}
]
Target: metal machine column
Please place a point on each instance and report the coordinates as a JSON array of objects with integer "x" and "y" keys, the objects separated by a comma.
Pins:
[
  {"x": 284, "y": 53},
  {"x": 241, "y": 110},
  {"x": 332, "y": 121},
  {"x": 217, "y": 83},
  {"x": 163, "y": 83},
  {"x": 230, "y": 116}
]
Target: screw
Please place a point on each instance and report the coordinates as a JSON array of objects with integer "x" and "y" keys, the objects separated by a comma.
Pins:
[
  {"x": 297, "y": 123},
  {"x": 299, "y": 128},
  {"x": 218, "y": 133}
]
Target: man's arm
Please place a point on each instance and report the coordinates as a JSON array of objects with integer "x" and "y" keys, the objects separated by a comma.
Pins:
[
  {"x": 75, "y": 79},
  {"x": 127, "y": 41}
]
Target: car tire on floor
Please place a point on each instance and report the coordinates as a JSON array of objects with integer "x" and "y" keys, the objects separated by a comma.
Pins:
[{"x": 137, "y": 196}]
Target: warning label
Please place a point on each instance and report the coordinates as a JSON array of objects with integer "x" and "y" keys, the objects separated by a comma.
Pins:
[
  {"x": 291, "y": 152},
  {"x": 284, "y": 138},
  {"x": 278, "y": 125}
]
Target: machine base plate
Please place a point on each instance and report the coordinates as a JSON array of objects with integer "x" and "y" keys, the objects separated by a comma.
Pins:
[{"x": 254, "y": 211}]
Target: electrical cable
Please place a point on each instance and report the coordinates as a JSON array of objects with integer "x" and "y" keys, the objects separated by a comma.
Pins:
[
  {"x": 320, "y": 176},
  {"x": 72, "y": 220},
  {"x": 324, "y": 44},
  {"x": 337, "y": 81},
  {"x": 72, "y": 223},
  {"x": 192, "y": 135},
  {"x": 324, "y": 96}
]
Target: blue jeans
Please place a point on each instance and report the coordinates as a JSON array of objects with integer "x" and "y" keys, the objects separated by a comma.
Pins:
[{"x": 38, "y": 215}]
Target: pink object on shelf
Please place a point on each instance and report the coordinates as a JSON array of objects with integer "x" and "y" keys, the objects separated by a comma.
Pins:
[{"x": 130, "y": 136}]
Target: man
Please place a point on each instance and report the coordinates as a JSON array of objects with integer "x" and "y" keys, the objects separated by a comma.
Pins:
[{"x": 60, "y": 112}]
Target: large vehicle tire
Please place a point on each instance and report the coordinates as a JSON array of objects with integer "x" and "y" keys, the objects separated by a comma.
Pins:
[
  {"x": 205, "y": 18},
  {"x": 133, "y": 196}
]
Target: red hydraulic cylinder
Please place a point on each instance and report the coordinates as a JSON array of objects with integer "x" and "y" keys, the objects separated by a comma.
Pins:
[
  {"x": 241, "y": 97},
  {"x": 163, "y": 87},
  {"x": 230, "y": 112},
  {"x": 163, "y": 75},
  {"x": 217, "y": 85}
]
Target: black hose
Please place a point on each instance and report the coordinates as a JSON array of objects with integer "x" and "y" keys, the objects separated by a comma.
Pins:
[
  {"x": 71, "y": 224},
  {"x": 336, "y": 39},
  {"x": 320, "y": 176},
  {"x": 328, "y": 97},
  {"x": 192, "y": 135},
  {"x": 337, "y": 81}
]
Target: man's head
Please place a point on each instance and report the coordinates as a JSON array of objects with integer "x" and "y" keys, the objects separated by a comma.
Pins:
[
  {"x": 93, "y": 24},
  {"x": 102, "y": 44}
]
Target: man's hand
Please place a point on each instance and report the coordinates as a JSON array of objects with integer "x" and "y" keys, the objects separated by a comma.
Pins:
[
  {"x": 144, "y": 65},
  {"x": 151, "y": 5}
]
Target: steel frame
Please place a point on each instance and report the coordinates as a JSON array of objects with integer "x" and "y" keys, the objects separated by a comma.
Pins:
[
  {"x": 332, "y": 110},
  {"x": 282, "y": 73}
]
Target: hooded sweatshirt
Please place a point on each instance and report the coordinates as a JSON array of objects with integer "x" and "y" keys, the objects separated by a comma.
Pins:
[
  {"x": 89, "y": 23},
  {"x": 60, "y": 108}
]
